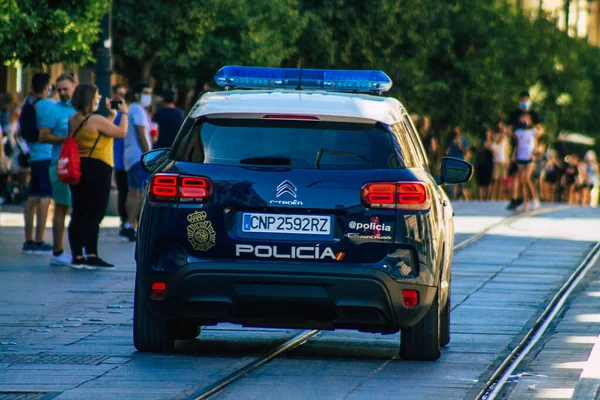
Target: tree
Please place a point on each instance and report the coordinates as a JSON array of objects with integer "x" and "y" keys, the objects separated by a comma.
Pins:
[
  {"x": 182, "y": 42},
  {"x": 36, "y": 32},
  {"x": 168, "y": 33},
  {"x": 253, "y": 33}
]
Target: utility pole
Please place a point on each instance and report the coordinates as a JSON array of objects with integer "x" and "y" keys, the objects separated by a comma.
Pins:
[{"x": 104, "y": 60}]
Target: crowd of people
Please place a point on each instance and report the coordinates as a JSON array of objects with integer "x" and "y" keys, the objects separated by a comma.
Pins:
[
  {"x": 32, "y": 134},
  {"x": 513, "y": 162}
]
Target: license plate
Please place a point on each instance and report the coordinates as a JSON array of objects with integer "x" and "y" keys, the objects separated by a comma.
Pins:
[{"x": 292, "y": 224}]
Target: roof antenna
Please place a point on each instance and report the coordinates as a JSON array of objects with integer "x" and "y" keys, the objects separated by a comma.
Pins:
[{"x": 299, "y": 87}]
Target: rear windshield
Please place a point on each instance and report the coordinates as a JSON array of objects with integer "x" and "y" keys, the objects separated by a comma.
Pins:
[{"x": 297, "y": 144}]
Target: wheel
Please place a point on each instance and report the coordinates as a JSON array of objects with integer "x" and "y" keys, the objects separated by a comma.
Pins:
[
  {"x": 186, "y": 331},
  {"x": 445, "y": 323},
  {"x": 422, "y": 341},
  {"x": 150, "y": 334}
]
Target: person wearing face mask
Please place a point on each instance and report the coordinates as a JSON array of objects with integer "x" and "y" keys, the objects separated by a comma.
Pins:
[
  {"x": 523, "y": 154},
  {"x": 514, "y": 121},
  {"x": 137, "y": 142},
  {"x": 94, "y": 135},
  {"x": 55, "y": 131}
]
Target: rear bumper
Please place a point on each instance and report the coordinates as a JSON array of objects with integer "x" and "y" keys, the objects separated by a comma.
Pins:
[{"x": 295, "y": 295}]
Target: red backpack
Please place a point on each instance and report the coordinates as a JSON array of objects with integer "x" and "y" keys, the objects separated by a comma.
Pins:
[{"x": 68, "y": 168}]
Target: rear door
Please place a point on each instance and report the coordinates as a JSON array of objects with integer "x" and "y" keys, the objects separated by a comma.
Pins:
[{"x": 277, "y": 189}]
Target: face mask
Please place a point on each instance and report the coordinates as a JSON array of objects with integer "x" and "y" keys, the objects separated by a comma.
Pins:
[
  {"x": 145, "y": 100},
  {"x": 522, "y": 125},
  {"x": 96, "y": 106},
  {"x": 525, "y": 105}
]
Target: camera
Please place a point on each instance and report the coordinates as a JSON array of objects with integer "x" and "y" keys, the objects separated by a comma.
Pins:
[{"x": 114, "y": 104}]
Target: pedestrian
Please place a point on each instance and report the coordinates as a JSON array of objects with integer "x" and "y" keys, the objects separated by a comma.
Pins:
[
  {"x": 34, "y": 111},
  {"x": 94, "y": 136},
  {"x": 539, "y": 160},
  {"x": 593, "y": 178},
  {"x": 9, "y": 123},
  {"x": 55, "y": 131},
  {"x": 500, "y": 148},
  {"x": 169, "y": 119},
  {"x": 551, "y": 177},
  {"x": 15, "y": 178},
  {"x": 457, "y": 147},
  {"x": 523, "y": 154},
  {"x": 137, "y": 142},
  {"x": 484, "y": 167},
  {"x": 514, "y": 121},
  {"x": 118, "y": 95}
]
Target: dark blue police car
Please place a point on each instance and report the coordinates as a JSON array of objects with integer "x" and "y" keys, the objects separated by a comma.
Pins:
[{"x": 307, "y": 202}]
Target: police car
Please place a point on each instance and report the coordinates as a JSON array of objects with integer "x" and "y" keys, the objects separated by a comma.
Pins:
[{"x": 296, "y": 198}]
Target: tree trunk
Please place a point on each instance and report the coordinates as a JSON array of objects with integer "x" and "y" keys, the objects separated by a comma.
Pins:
[{"x": 183, "y": 100}]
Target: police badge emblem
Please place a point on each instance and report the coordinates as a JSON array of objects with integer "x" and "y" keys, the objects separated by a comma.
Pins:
[{"x": 201, "y": 233}]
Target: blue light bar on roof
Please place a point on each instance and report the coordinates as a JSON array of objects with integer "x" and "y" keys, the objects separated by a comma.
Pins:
[{"x": 312, "y": 79}]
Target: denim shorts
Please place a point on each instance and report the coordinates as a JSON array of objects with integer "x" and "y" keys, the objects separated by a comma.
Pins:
[
  {"x": 137, "y": 178},
  {"x": 39, "y": 184}
]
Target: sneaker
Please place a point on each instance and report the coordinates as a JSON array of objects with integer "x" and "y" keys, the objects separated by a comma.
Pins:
[
  {"x": 129, "y": 234},
  {"x": 29, "y": 247},
  {"x": 511, "y": 205},
  {"x": 123, "y": 233},
  {"x": 535, "y": 204},
  {"x": 98, "y": 262},
  {"x": 42, "y": 248},
  {"x": 77, "y": 263},
  {"x": 61, "y": 259}
]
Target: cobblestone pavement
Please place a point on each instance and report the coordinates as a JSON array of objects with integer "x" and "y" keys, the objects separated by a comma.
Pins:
[{"x": 68, "y": 332}]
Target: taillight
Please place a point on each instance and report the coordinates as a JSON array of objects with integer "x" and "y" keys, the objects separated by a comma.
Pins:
[
  {"x": 193, "y": 188},
  {"x": 164, "y": 186},
  {"x": 395, "y": 195},
  {"x": 410, "y": 298},
  {"x": 159, "y": 290},
  {"x": 172, "y": 187}
]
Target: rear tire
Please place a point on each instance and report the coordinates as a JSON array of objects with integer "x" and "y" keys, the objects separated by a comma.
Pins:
[
  {"x": 150, "y": 333},
  {"x": 422, "y": 341},
  {"x": 445, "y": 323}
]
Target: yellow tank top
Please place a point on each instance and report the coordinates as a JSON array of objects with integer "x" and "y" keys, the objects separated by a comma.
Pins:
[{"x": 103, "y": 150}]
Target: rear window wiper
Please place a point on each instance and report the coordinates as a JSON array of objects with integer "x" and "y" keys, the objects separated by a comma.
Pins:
[
  {"x": 267, "y": 160},
  {"x": 339, "y": 153}
]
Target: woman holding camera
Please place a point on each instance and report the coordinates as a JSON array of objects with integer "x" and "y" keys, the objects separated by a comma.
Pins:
[{"x": 94, "y": 136}]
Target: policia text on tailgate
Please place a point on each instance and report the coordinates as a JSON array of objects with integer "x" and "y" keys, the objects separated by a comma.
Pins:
[{"x": 301, "y": 203}]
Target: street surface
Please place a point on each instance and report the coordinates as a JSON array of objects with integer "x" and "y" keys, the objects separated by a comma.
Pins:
[{"x": 66, "y": 334}]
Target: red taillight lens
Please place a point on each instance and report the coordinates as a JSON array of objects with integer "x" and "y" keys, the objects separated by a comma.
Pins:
[
  {"x": 171, "y": 187},
  {"x": 193, "y": 188},
  {"x": 410, "y": 298},
  {"x": 159, "y": 290},
  {"x": 381, "y": 195},
  {"x": 411, "y": 193},
  {"x": 395, "y": 195},
  {"x": 164, "y": 186}
]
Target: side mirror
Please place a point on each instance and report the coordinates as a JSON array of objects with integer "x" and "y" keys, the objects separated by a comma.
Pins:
[
  {"x": 455, "y": 171},
  {"x": 153, "y": 159}
]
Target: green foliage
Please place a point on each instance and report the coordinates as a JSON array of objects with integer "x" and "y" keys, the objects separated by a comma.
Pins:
[
  {"x": 167, "y": 33},
  {"x": 463, "y": 62},
  {"x": 187, "y": 40},
  {"x": 36, "y": 32}
]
